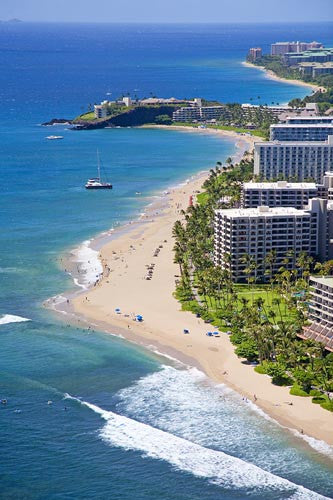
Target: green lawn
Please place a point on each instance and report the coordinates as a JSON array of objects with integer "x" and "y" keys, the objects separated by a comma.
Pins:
[
  {"x": 264, "y": 292},
  {"x": 86, "y": 116}
]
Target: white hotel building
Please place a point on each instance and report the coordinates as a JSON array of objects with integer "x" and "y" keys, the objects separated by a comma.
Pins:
[
  {"x": 301, "y": 131},
  {"x": 278, "y": 194},
  {"x": 293, "y": 160},
  {"x": 258, "y": 231}
]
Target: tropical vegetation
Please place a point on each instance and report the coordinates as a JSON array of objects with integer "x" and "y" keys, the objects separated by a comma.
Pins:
[
  {"x": 324, "y": 99},
  {"x": 263, "y": 320}
]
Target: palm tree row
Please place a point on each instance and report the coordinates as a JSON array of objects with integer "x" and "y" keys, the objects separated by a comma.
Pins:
[{"x": 264, "y": 320}]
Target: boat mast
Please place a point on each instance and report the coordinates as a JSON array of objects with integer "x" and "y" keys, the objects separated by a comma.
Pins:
[{"x": 98, "y": 166}]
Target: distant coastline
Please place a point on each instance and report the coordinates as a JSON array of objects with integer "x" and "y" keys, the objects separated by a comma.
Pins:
[{"x": 273, "y": 76}]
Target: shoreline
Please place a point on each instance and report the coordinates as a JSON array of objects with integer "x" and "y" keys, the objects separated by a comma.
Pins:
[
  {"x": 124, "y": 253},
  {"x": 273, "y": 76}
]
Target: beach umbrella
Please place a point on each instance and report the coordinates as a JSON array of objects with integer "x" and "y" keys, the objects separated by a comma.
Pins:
[
  {"x": 216, "y": 333},
  {"x": 117, "y": 310}
]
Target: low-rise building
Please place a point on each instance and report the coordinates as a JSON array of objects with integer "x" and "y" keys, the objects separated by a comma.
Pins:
[
  {"x": 100, "y": 110},
  {"x": 282, "y": 112},
  {"x": 256, "y": 232},
  {"x": 300, "y": 131},
  {"x": 278, "y": 194},
  {"x": 314, "y": 69},
  {"x": 293, "y": 160},
  {"x": 320, "y": 311},
  {"x": 320, "y": 55},
  {"x": 199, "y": 113}
]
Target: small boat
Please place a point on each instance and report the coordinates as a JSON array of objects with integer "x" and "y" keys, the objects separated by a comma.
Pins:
[
  {"x": 96, "y": 182},
  {"x": 54, "y": 137}
]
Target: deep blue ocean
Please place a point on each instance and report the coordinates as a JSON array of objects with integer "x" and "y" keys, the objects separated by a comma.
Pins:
[{"x": 124, "y": 423}]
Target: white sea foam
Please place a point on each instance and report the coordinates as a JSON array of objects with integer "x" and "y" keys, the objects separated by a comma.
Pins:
[
  {"x": 11, "y": 318},
  {"x": 89, "y": 265},
  {"x": 185, "y": 402},
  {"x": 218, "y": 467}
]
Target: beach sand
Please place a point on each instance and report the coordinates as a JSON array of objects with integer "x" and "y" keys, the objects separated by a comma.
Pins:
[
  {"x": 272, "y": 76},
  {"x": 124, "y": 286}
]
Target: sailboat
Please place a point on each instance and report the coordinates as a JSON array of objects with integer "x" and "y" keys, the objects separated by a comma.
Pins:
[{"x": 96, "y": 183}]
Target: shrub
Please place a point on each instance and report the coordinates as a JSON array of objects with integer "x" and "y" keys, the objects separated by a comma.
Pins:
[
  {"x": 296, "y": 390},
  {"x": 247, "y": 350},
  {"x": 278, "y": 373},
  {"x": 327, "y": 405},
  {"x": 318, "y": 400},
  {"x": 315, "y": 392},
  {"x": 237, "y": 338},
  {"x": 304, "y": 379},
  {"x": 261, "y": 369}
]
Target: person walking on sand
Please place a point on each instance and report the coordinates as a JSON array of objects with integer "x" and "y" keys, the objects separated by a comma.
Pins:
[{"x": 255, "y": 397}]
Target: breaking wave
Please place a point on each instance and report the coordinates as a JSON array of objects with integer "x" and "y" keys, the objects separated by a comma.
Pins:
[
  {"x": 219, "y": 468},
  {"x": 11, "y": 318}
]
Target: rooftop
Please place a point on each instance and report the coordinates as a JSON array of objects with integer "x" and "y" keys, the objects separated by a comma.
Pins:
[
  {"x": 262, "y": 211},
  {"x": 323, "y": 280},
  {"x": 327, "y": 118},
  {"x": 301, "y": 125},
  {"x": 279, "y": 185},
  {"x": 294, "y": 143}
]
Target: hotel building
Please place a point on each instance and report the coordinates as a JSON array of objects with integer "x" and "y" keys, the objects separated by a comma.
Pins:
[
  {"x": 293, "y": 160},
  {"x": 281, "y": 48},
  {"x": 300, "y": 131},
  {"x": 199, "y": 113},
  {"x": 255, "y": 53},
  {"x": 319, "y": 55},
  {"x": 320, "y": 312},
  {"x": 278, "y": 194},
  {"x": 258, "y": 231}
]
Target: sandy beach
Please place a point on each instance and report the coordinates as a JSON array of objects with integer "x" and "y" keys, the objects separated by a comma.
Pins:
[
  {"x": 123, "y": 286},
  {"x": 272, "y": 76}
]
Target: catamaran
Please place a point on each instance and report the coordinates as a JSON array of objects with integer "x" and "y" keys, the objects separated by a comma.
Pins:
[{"x": 96, "y": 182}]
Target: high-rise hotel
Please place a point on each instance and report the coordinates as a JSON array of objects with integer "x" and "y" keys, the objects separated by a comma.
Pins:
[
  {"x": 300, "y": 149},
  {"x": 257, "y": 231}
]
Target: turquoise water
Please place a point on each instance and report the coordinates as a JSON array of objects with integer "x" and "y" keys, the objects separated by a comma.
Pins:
[{"x": 142, "y": 426}]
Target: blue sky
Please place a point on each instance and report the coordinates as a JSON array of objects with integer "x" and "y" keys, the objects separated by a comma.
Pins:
[{"x": 168, "y": 10}]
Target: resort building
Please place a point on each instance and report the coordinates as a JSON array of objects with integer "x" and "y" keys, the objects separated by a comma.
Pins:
[
  {"x": 100, "y": 110},
  {"x": 198, "y": 113},
  {"x": 316, "y": 69},
  {"x": 300, "y": 131},
  {"x": 281, "y": 48},
  {"x": 320, "y": 312},
  {"x": 308, "y": 120},
  {"x": 298, "y": 161},
  {"x": 256, "y": 232},
  {"x": 283, "y": 112},
  {"x": 278, "y": 194},
  {"x": 319, "y": 55},
  {"x": 255, "y": 53}
]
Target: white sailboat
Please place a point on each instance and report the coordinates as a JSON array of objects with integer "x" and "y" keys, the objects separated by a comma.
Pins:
[{"x": 96, "y": 182}]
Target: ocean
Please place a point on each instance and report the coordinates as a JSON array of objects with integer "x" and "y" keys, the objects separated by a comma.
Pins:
[{"x": 89, "y": 415}]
